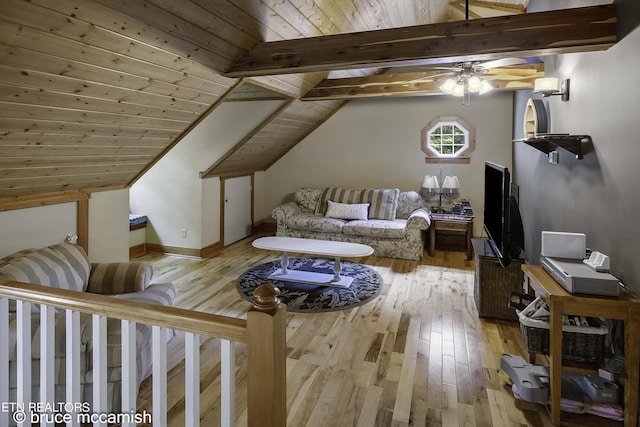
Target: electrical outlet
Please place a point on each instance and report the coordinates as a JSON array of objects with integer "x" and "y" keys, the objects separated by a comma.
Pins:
[{"x": 183, "y": 233}]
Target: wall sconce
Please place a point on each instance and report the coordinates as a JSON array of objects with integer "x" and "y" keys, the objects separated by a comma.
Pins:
[
  {"x": 548, "y": 86},
  {"x": 449, "y": 185}
]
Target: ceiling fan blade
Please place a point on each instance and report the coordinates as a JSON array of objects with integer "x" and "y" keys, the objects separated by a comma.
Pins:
[
  {"x": 433, "y": 68},
  {"x": 504, "y": 62}
]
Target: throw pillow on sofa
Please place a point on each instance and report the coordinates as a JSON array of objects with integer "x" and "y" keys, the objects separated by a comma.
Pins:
[
  {"x": 338, "y": 195},
  {"x": 347, "y": 210},
  {"x": 383, "y": 202}
]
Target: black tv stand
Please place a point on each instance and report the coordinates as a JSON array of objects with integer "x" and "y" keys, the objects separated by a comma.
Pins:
[{"x": 493, "y": 284}]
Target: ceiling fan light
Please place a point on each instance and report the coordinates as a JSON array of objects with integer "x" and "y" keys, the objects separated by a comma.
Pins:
[
  {"x": 458, "y": 90},
  {"x": 448, "y": 86},
  {"x": 486, "y": 87},
  {"x": 475, "y": 84}
]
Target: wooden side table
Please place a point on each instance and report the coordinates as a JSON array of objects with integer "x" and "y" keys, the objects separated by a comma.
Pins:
[
  {"x": 454, "y": 225},
  {"x": 626, "y": 307}
]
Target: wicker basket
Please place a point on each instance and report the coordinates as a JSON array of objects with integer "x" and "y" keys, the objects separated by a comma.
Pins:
[{"x": 579, "y": 343}]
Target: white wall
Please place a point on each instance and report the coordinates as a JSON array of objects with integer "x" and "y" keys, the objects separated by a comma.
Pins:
[
  {"x": 376, "y": 143},
  {"x": 173, "y": 195},
  {"x": 261, "y": 210},
  {"x": 210, "y": 211},
  {"x": 109, "y": 226},
  {"x": 36, "y": 227},
  {"x": 48, "y": 225}
]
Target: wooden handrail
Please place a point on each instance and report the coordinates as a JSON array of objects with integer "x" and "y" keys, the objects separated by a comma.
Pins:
[
  {"x": 197, "y": 322},
  {"x": 264, "y": 332}
]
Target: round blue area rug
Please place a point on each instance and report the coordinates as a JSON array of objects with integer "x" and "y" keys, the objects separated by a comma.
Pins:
[{"x": 306, "y": 298}]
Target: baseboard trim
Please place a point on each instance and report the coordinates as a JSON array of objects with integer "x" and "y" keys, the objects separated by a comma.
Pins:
[
  {"x": 173, "y": 250},
  {"x": 206, "y": 252},
  {"x": 137, "y": 250},
  {"x": 211, "y": 250}
]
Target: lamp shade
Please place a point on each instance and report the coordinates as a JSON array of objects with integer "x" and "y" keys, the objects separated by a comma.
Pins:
[
  {"x": 486, "y": 87},
  {"x": 451, "y": 182},
  {"x": 474, "y": 84},
  {"x": 430, "y": 182},
  {"x": 448, "y": 86},
  {"x": 546, "y": 85},
  {"x": 458, "y": 90}
]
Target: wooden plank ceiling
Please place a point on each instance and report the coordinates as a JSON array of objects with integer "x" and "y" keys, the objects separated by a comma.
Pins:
[{"x": 94, "y": 92}]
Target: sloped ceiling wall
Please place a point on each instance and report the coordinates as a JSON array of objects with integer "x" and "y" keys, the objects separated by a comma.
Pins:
[{"x": 93, "y": 92}]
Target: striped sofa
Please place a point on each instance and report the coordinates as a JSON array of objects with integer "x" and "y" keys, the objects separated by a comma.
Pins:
[
  {"x": 67, "y": 266},
  {"x": 392, "y": 222}
]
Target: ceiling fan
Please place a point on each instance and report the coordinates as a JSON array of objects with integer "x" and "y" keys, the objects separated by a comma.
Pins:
[{"x": 466, "y": 77}]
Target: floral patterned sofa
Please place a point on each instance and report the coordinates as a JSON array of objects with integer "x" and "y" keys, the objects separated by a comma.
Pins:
[{"x": 393, "y": 223}]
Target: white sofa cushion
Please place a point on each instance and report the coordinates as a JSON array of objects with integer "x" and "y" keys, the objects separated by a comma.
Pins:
[
  {"x": 384, "y": 203},
  {"x": 376, "y": 228},
  {"x": 347, "y": 210},
  {"x": 316, "y": 223}
]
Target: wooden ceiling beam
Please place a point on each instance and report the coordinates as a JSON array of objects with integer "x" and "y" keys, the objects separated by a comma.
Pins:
[
  {"x": 530, "y": 34},
  {"x": 420, "y": 83}
]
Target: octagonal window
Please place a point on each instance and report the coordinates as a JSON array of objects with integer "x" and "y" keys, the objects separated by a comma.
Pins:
[{"x": 448, "y": 139}]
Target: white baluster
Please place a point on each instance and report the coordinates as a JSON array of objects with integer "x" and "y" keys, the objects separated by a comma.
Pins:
[
  {"x": 99, "y": 340},
  {"x": 159, "y": 376},
  {"x": 47, "y": 358},
  {"x": 227, "y": 383},
  {"x": 4, "y": 358},
  {"x": 23, "y": 310},
  {"x": 192, "y": 379},
  {"x": 129, "y": 379},
  {"x": 73, "y": 363}
]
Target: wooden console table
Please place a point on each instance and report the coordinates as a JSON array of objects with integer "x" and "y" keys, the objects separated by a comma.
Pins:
[
  {"x": 460, "y": 226},
  {"x": 626, "y": 307}
]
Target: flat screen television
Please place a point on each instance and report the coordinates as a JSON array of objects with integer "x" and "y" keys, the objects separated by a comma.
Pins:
[{"x": 502, "y": 221}]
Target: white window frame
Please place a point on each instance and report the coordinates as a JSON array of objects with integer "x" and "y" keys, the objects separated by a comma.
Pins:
[{"x": 463, "y": 155}]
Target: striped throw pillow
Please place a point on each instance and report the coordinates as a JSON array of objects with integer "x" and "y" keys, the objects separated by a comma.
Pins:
[
  {"x": 338, "y": 195},
  {"x": 119, "y": 277},
  {"x": 383, "y": 203},
  {"x": 50, "y": 267}
]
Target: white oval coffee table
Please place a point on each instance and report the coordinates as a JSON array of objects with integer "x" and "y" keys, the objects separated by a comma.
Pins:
[{"x": 312, "y": 247}]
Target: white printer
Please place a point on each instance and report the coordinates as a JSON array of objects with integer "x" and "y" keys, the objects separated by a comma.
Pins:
[{"x": 563, "y": 257}]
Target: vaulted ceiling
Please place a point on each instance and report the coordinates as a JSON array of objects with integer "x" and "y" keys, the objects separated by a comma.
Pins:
[{"x": 94, "y": 92}]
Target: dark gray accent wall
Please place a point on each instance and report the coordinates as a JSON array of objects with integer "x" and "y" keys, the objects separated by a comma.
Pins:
[
  {"x": 571, "y": 196},
  {"x": 600, "y": 194}
]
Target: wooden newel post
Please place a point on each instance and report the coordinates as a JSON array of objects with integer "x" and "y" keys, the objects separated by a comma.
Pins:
[{"x": 266, "y": 357}]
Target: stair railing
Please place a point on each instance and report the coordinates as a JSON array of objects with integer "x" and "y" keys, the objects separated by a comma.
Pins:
[{"x": 263, "y": 331}]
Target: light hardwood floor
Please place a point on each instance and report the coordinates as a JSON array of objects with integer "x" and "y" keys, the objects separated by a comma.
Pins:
[{"x": 418, "y": 355}]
